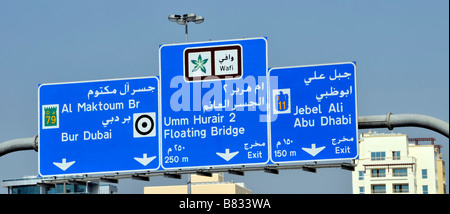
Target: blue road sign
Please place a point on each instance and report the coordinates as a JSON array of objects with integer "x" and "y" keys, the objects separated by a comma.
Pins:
[
  {"x": 313, "y": 113},
  {"x": 98, "y": 126},
  {"x": 213, "y": 97}
]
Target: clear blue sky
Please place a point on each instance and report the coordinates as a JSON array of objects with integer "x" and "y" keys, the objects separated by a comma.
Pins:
[{"x": 401, "y": 49}]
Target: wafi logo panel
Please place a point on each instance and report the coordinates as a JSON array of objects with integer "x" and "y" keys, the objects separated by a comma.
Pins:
[{"x": 209, "y": 63}]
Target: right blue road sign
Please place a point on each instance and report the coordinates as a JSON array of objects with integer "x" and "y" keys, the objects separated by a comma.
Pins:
[{"x": 313, "y": 113}]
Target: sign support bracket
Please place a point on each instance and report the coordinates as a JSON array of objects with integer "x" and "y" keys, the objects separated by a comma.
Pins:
[
  {"x": 172, "y": 175},
  {"x": 204, "y": 173},
  {"x": 309, "y": 169},
  {"x": 236, "y": 172},
  {"x": 271, "y": 170}
]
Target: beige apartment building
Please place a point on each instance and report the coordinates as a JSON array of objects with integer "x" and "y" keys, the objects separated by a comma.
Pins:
[
  {"x": 201, "y": 185},
  {"x": 395, "y": 164}
]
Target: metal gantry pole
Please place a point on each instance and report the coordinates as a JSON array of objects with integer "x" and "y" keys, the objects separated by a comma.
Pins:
[
  {"x": 389, "y": 121},
  {"x": 19, "y": 144}
]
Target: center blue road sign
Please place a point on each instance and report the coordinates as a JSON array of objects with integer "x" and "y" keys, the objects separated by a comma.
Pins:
[
  {"x": 98, "y": 126},
  {"x": 314, "y": 113},
  {"x": 214, "y": 103}
]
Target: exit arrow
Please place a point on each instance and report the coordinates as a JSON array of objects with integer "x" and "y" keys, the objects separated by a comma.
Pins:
[
  {"x": 227, "y": 155},
  {"x": 64, "y": 165},
  {"x": 145, "y": 160},
  {"x": 313, "y": 150}
]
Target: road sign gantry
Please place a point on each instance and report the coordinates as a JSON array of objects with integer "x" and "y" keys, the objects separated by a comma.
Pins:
[{"x": 215, "y": 106}]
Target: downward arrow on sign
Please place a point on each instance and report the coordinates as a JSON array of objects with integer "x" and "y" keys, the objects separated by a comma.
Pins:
[
  {"x": 64, "y": 165},
  {"x": 227, "y": 155},
  {"x": 145, "y": 160},
  {"x": 313, "y": 150}
]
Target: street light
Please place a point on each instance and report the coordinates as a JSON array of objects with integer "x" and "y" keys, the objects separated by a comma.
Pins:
[{"x": 183, "y": 20}]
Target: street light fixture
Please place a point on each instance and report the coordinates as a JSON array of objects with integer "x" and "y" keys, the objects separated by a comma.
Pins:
[{"x": 183, "y": 20}]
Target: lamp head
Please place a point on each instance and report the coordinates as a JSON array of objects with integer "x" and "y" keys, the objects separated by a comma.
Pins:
[
  {"x": 199, "y": 19},
  {"x": 189, "y": 17},
  {"x": 174, "y": 18}
]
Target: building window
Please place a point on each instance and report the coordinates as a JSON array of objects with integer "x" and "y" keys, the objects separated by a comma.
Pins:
[
  {"x": 425, "y": 189},
  {"x": 361, "y": 175},
  {"x": 375, "y": 156},
  {"x": 401, "y": 188},
  {"x": 70, "y": 189},
  {"x": 376, "y": 173},
  {"x": 396, "y": 155},
  {"x": 424, "y": 174},
  {"x": 26, "y": 190},
  {"x": 379, "y": 188},
  {"x": 361, "y": 190},
  {"x": 402, "y": 172}
]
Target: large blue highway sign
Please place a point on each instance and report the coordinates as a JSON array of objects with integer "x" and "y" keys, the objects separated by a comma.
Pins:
[
  {"x": 214, "y": 103},
  {"x": 313, "y": 113},
  {"x": 98, "y": 126}
]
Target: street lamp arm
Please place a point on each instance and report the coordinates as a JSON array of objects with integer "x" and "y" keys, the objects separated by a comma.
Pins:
[
  {"x": 18, "y": 145},
  {"x": 403, "y": 120}
]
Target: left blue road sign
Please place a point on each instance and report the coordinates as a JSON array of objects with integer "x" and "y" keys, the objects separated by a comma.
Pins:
[{"x": 98, "y": 126}]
